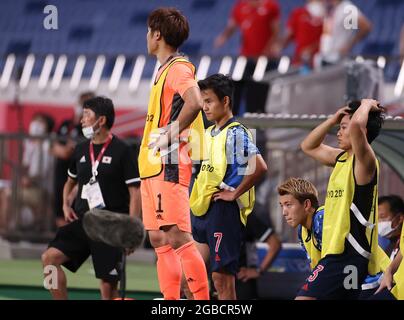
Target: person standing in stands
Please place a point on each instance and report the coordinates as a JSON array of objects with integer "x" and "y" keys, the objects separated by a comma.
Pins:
[
  {"x": 68, "y": 135},
  {"x": 105, "y": 170},
  {"x": 344, "y": 27},
  {"x": 351, "y": 200},
  {"x": 259, "y": 24},
  {"x": 304, "y": 28},
  {"x": 258, "y": 230},
  {"x": 165, "y": 164}
]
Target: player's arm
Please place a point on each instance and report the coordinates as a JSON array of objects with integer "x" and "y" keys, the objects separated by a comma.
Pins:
[
  {"x": 193, "y": 104},
  {"x": 313, "y": 144},
  {"x": 275, "y": 246},
  {"x": 69, "y": 213},
  {"x": 182, "y": 80},
  {"x": 134, "y": 201},
  {"x": 365, "y": 159},
  {"x": 255, "y": 170}
]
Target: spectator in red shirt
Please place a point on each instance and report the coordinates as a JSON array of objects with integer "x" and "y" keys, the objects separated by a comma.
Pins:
[
  {"x": 258, "y": 21},
  {"x": 304, "y": 27}
]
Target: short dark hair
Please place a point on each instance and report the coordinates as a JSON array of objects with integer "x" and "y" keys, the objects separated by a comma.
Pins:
[
  {"x": 102, "y": 106},
  {"x": 171, "y": 23},
  {"x": 375, "y": 120},
  {"x": 221, "y": 85},
  {"x": 395, "y": 202}
]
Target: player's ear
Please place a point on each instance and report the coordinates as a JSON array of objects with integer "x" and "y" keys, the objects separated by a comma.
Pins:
[
  {"x": 307, "y": 204},
  {"x": 226, "y": 102},
  {"x": 102, "y": 121}
]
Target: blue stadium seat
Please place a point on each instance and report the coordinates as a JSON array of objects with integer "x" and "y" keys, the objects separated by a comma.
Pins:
[
  {"x": 81, "y": 33},
  {"x": 378, "y": 48},
  {"x": 139, "y": 18},
  {"x": 35, "y": 7},
  {"x": 203, "y": 4},
  {"x": 19, "y": 47},
  {"x": 191, "y": 47}
]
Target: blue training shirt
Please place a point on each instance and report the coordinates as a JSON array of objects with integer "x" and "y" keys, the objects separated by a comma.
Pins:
[
  {"x": 239, "y": 149},
  {"x": 316, "y": 231}
]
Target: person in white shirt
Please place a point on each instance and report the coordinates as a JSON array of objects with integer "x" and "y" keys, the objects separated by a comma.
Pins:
[{"x": 344, "y": 26}]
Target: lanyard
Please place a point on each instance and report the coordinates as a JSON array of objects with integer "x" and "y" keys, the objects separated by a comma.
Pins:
[{"x": 94, "y": 164}]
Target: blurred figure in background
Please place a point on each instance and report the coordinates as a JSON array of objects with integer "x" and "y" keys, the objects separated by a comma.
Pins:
[
  {"x": 258, "y": 229},
  {"x": 344, "y": 26},
  {"x": 259, "y": 24},
  {"x": 36, "y": 163},
  {"x": 258, "y": 21},
  {"x": 391, "y": 217},
  {"x": 304, "y": 28},
  {"x": 69, "y": 133},
  {"x": 390, "y": 222}
]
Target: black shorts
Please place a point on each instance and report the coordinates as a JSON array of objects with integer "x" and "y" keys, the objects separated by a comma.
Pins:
[
  {"x": 72, "y": 240},
  {"x": 336, "y": 277},
  {"x": 385, "y": 294},
  {"x": 222, "y": 230}
]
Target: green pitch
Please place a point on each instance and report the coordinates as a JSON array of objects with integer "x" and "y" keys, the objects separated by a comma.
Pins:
[{"x": 23, "y": 279}]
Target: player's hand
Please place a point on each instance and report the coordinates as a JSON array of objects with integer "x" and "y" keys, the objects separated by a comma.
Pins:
[
  {"x": 246, "y": 274},
  {"x": 337, "y": 116},
  {"x": 225, "y": 195},
  {"x": 372, "y": 104},
  {"x": 69, "y": 213},
  {"x": 159, "y": 141},
  {"x": 387, "y": 282}
]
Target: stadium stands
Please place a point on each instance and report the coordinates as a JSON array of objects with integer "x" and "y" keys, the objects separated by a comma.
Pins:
[{"x": 92, "y": 27}]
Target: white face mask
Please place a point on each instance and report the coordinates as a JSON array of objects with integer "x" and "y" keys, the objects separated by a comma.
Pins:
[
  {"x": 385, "y": 229},
  {"x": 316, "y": 9},
  {"x": 89, "y": 132},
  {"x": 36, "y": 128}
]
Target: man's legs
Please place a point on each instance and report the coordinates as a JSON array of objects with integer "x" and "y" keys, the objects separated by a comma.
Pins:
[
  {"x": 55, "y": 257},
  {"x": 192, "y": 262},
  {"x": 108, "y": 290},
  {"x": 165, "y": 207},
  {"x": 176, "y": 252},
  {"x": 225, "y": 285},
  {"x": 203, "y": 249},
  {"x": 168, "y": 265}
]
